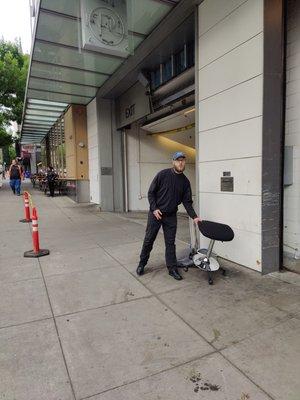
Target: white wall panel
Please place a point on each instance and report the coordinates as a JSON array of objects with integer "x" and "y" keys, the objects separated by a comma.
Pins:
[
  {"x": 230, "y": 50},
  {"x": 212, "y": 12},
  {"x": 133, "y": 171},
  {"x": 243, "y": 139},
  {"x": 93, "y": 151},
  {"x": 241, "y": 25},
  {"x": 237, "y": 104},
  {"x": 233, "y": 68},
  {"x": 246, "y": 250},
  {"x": 239, "y": 211},
  {"x": 245, "y": 171}
]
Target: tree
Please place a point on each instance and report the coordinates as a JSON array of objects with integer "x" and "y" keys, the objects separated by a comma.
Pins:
[
  {"x": 5, "y": 138},
  {"x": 13, "y": 74}
]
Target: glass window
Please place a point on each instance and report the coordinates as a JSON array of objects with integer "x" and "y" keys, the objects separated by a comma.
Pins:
[
  {"x": 174, "y": 66},
  {"x": 155, "y": 78},
  {"x": 56, "y": 147},
  {"x": 179, "y": 62},
  {"x": 190, "y": 49},
  {"x": 43, "y": 153},
  {"x": 167, "y": 70}
]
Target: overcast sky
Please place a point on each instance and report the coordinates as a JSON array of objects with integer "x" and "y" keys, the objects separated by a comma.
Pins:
[{"x": 15, "y": 22}]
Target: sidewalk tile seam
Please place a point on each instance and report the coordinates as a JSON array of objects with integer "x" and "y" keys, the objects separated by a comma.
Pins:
[
  {"x": 246, "y": 376},
  {"x": 144, "y": 225},
  {"x": 124, "y": 230},
  {"x": 285, "y": 281},
  {"x": 105, "y": 267},
  {"x": 55, "y": 252},
  {"x": 25, "y": 323},
  {"x": 289, "y": 313},
  {"x": 151, "y": 375},
  {"x": 100, "y": 307},
  {"x": 57, "y": 334},
  {"x": 188, "y": 285},
  {"x": 259, "y": 332},
  {"x": 20, "y": 280},
  {"x": 157, "y": 297},
  {"x": 216, "y": 350}
]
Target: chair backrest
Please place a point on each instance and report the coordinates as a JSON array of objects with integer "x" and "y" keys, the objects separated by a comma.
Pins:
[{"x": 216, "y": 231}]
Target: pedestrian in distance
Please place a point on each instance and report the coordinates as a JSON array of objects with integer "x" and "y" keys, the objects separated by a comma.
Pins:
[
  {"x": 169, "y": 188},
  {"x": 15, "y": 177},
  {"x": 51, "y": 178},
  {"x": 1, "y": 175}
]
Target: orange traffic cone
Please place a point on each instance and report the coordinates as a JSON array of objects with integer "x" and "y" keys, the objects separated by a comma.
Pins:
[
  {"x": 26, "y": 208},
  {"x": 36, "y": 252}
]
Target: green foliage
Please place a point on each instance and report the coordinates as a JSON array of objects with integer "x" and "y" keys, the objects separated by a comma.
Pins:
[
  {"x": 13, "y": 74},
  {"x": 5, "y": 138},
  {"x": 9, "y": 153},
  {"x": 12, "y": 153}
]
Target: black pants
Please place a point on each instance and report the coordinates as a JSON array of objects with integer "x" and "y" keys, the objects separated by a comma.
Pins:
[
  {"x": 169, "y": 224},
  {"x": 51, "y": 188}
]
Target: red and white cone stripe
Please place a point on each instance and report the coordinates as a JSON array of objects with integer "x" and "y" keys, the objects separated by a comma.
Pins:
[
  {"x": 35, "y": 231},
  {"x": 26, "y": 207}
]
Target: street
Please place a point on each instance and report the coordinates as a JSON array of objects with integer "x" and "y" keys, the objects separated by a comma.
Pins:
[{"x": 79, "y": 324}]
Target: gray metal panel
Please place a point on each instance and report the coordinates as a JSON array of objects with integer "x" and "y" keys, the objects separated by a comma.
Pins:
[
  {"x": 273, "y": 134},
  {"x": 288, "y": 176}
]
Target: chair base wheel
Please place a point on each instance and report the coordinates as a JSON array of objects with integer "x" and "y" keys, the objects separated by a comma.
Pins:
[{"x": 210, "y": 279}]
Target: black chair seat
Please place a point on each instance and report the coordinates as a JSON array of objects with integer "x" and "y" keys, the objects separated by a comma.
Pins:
[{"x": 216, "y": 231}]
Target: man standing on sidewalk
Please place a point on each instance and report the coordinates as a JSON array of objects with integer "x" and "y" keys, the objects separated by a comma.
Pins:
[
  {"x": 15, "y": 176},
  {"x": 169, "y": 188},
  {"x": 51, "y": 178},
  {"x": 1, "y": 174}
]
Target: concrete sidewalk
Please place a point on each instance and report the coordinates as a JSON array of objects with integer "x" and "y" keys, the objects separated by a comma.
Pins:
[{"x": 79, "y": 324}]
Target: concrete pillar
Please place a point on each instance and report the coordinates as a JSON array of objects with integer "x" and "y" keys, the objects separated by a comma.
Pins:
[
  {"x": 105, "y": 156},
  {"x": 93, "y": 152},
  {"x": 292, "y": 135},
  {"x": 239, "y": 136},
  {"x": 240, "y": 76},
  {"x": 230, "y": 95}
]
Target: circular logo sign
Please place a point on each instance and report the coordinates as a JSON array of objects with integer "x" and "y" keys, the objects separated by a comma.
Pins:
[{"x": 107, "y": 26}]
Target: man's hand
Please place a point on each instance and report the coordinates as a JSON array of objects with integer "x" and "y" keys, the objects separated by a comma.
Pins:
[
  {"x": 157, "y": 214},
  {"x": 196, "y": 220}
]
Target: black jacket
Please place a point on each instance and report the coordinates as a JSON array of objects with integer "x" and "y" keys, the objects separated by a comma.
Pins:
[
  {"x": 51, "y": 176},
  {"x": 169, "y": 189}
]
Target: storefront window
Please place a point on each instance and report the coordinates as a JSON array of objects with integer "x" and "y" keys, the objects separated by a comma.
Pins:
[
  {"x": 43, "y": 153},
  {"x": 56, "y": 140}
]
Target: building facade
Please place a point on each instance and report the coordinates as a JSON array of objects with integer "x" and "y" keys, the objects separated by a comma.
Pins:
[{"x": 130, "y": 82}]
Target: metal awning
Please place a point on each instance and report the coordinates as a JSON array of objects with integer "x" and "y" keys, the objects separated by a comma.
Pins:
[
  {"x": 62, "y": 72},
  {"x": 39, "y": 117}
]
